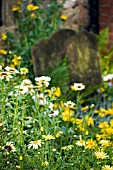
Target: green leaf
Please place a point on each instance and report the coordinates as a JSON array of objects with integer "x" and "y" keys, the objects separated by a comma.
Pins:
[
  {"x": 103, "y": 39},
  {"x": 60, "y": 75}
]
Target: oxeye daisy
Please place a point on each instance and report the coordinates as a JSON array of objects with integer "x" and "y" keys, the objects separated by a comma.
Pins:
[
  {"x": 10, "y": 147},
  {"x": 5, "y": 75},
  {"x": 27, "y": 82},
  {"x": 101, "y": 155},
  {"x": 35, "y": 144},
  {"x": 11, "y": 70},
  {"x": 70, "y": 104},
  {"x": 77, "y": 87},
  {"x": 80, "y": 142},
  {"x": 44, "y": 80},
  {"x": 107, "y": 167},
  {"x": 22, "y": 89}
]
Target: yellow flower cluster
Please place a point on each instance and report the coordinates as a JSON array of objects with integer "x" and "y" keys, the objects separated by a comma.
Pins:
[
  {"x": 32, "y": 7},
  {"x": 16, "y": 9},
  {"x": 3, "y": 52},
  {"x": 16, "y": 60},
  {"x": 103, "y": 112},
  {"x": 4, "y": 36}
]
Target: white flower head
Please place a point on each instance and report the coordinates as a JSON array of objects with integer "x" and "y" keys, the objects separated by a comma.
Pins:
[
  {"x": 11, "y": 70},
  {"x": 77, "y": 86},
  {"x": 9, "y": 146},
  {"x": 27, "y": 82},
  {"x": 108, "y": 77},
  {"x": 43, "y": 80},
  {"x": 53, "y": 113},
  {"x": 35, "y": 144},
  {"x": 107, "y": 167},
  {"x": 0, "y": 67},
  {"x": 40, "y": 98},
  {"x": 70, "y": 104},
  {"x": 5, "y": 75},
  {"x": 22, "y": 89}
]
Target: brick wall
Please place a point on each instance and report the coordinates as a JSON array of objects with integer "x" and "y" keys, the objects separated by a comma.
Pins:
[{"x": 106, "y": 17}]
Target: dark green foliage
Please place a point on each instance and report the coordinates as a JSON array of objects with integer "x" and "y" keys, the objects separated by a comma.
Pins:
[{"x": 60, "y": 76}]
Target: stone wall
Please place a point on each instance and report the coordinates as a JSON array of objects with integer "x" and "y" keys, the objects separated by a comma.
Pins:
[{"x": 77, "y": 12}]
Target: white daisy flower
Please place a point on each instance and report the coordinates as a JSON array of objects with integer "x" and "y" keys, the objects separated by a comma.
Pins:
[
  {"x": 35, "y": 144},
  {"x": 11, "y": 70},
  {"x": 77, "y": 86}
]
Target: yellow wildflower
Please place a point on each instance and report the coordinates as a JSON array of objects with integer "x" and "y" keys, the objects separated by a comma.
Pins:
[
  {"x": 102, "y": 112},
  {"x": 63, "y": 17},
  {"x": 91, "y": 144},
  {"x": 23, "y": 71},
  {"x": 109, "y": 130},
  {"x": 89, "y": 121},
  {"x": 4, "y": 36},
  {"x": 58, "y": 134},
  {"x": 41, "y": 129},
  {"x": 16, "y": 60},
  {"x": 12, "y": 65},
  {"x": 103, "y": 125},
  {"x": 102, "y": 89},
  {"x": 111, "y": 122},
  {"x": 101, "y": 155},
  {"x": 35, "y": 7},
  {"x": 85, "y": 108},
  {"x": 31, "y": 7},
  {"x": 68, "y": 147},
  {"x": 99, "y": 136},
  {"x": 3, "y": 52},
  {"x": 48, "y": 137},
  {"x": 107, "y": 167},
  {"x": 57, "y": 92},
  {"x": 19, "y": 2},
  {"x": 96, "y": 111},
  {"x": 20, "y": 158},
  {"x": 67, "y": 114},
  {"x": 109, "y": 111},
  {"x": 104, "y": 143},
  {"x": 80, "y": 142},
  {"x": 16, "y": 8},
  {"x": 33, "y": 15},
  {"x": 45, "y": 164},
  {"x": 55, "y": 106},
  {"x": 18, "y": 166}
]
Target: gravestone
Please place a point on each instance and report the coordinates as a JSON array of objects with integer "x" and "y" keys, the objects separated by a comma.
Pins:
[{"x": 80, "y": 49}]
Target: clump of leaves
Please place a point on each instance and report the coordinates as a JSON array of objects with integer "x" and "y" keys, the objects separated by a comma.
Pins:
[{"x": 106, "y": 55}]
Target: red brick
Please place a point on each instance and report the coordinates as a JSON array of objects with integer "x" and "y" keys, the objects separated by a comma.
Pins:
[
  {"x": 105, "y": 1},
  {"x": 111, "y": 19},
  {"x": 110, "y": 11},
  {"x": 111, "y": 36},
  {"x": 103, "y": 25},
  {"x": 102, "y": 2},
  {"x": 111, "y": 2},
  {"x": 104, "y": 18},
  {"x": 111, "y": 28},
  {"x": 105, "y": 10}
]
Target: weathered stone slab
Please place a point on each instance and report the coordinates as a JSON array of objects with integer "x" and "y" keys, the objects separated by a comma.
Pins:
[{"x": 81, "y": 52}]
